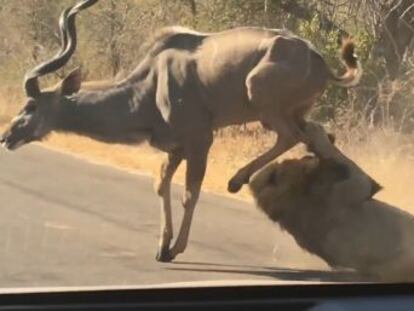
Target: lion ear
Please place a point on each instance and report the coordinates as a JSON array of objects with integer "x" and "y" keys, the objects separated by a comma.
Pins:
[
  {"x": 336, "y": 171},
  {"x": 332, "y": 138},
  {"x": 329, "y": 172},
  {"x": 261, "y": 178},
  {"x": 375, "y": 187}
]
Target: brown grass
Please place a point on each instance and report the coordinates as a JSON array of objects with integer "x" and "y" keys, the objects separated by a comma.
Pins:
[
  {"x": 388, "y": 157},
  {"x": 8, "y": 106}
]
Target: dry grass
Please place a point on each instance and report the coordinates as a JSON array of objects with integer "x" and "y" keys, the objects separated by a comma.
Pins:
[
  {"x": 388, "y": 157},
  {"x": 7, "y": 110}
]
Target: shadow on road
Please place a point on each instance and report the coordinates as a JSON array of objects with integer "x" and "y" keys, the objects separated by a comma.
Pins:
[{"x": 273, "y": 272}]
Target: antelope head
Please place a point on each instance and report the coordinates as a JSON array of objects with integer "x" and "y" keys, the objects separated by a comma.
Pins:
[{"x": 41, "y": 110}]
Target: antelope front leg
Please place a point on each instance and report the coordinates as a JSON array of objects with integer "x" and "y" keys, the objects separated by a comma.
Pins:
[
  {"x": 164, "y": 191},
  {"x": 196, "y": 167}
]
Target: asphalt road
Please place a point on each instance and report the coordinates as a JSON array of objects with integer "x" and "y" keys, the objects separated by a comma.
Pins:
[{"x": 67, "y": 222}]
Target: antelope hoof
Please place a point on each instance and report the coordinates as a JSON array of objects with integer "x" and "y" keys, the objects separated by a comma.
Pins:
[
  {"x": 235, "y": 184},
  {"x": 164, "y": 255}
]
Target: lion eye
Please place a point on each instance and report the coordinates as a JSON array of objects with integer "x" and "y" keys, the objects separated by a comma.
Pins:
[{"x": 273, "y": 178}]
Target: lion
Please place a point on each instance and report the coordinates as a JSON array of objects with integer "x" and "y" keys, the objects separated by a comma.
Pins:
[{"x": 325, "y": 201}]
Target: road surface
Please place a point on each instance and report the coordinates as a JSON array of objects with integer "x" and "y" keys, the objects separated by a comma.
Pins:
[{"x": 67, "y": 222}]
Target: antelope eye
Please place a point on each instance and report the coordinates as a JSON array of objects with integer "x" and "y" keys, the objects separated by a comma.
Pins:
[{"x": 31, "y": 107}]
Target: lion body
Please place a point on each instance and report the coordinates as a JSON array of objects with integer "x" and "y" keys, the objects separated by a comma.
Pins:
[{"x": 364, "y": 234}]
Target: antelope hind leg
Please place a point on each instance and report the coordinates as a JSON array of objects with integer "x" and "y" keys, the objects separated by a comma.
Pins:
[
  {"x": 357, "y": 186},
  {"x": 196, "y": 168},
  {"x": 163, "y": 189}
]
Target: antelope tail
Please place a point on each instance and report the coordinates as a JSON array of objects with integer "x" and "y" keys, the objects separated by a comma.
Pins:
[{"x": 354, "y": 69}]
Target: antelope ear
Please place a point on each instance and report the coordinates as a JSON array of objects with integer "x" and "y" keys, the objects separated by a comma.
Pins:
[{"x": 72, "y": 83}]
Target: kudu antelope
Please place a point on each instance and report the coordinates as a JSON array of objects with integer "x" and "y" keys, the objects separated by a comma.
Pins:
[{"x": 188, "y": 84}]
